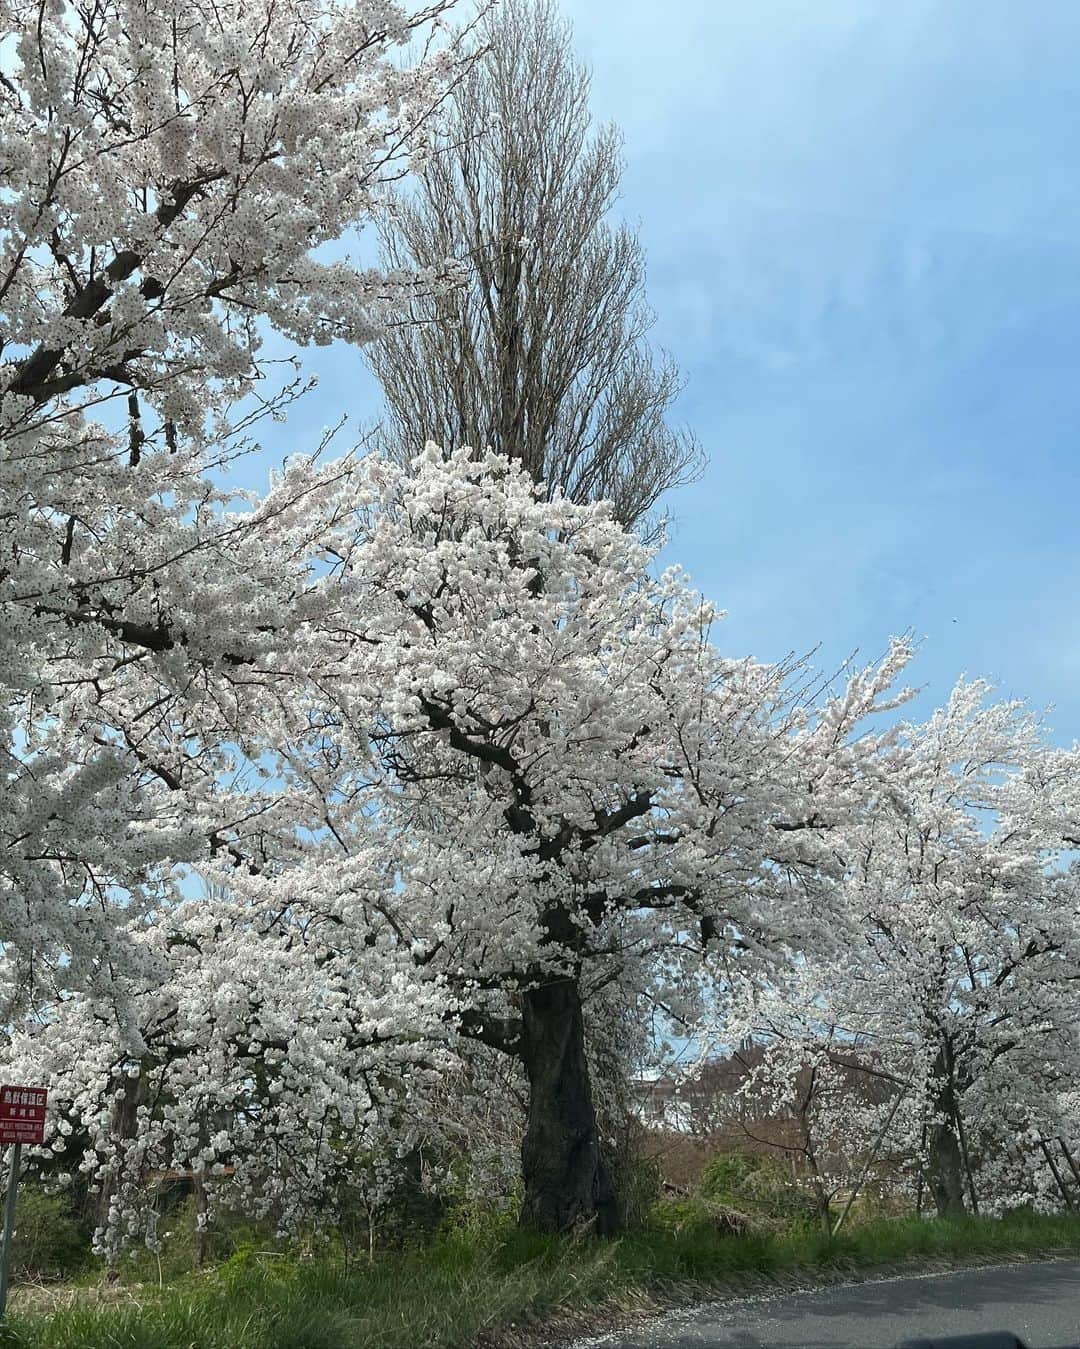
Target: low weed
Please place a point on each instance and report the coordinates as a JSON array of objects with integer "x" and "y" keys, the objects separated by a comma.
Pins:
[{"x": 470, "y": 1285}]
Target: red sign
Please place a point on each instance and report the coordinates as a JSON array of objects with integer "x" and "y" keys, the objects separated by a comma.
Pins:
[{"x": 22, "y": 1114}]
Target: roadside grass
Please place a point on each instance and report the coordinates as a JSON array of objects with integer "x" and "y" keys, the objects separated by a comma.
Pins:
[
  {"x": 481, "y": 1287},
  {"x": 695, "y": 1256}
]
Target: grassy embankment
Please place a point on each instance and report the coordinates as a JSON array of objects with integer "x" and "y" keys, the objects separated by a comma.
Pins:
[{"x": 469, "y": 1289}]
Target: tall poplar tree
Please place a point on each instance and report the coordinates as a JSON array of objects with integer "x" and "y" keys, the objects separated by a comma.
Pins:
[{"x": 543, "y": 355}]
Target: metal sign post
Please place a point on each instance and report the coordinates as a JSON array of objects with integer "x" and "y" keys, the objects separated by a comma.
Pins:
[
  {"x": 22, "y": 1120},
  {"x": 9, "y": 1224}
]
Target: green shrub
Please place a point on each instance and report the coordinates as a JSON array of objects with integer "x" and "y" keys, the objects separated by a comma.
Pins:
[
  {"x": 638, "y": 1182},
  {"x": 182, "y": 1249},
  {"x": 49, "y": 1241},
  {"x": 479, "y": 1223},
  {"x": 761, "y": 1188},
  {"x": 696, "y": 1213}
]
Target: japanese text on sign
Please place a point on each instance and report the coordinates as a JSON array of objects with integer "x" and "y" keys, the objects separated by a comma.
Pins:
[{"x": 22, "y": 1114}]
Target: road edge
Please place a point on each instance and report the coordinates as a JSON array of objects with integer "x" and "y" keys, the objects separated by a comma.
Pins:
[{"x": 640, "y": 1305}]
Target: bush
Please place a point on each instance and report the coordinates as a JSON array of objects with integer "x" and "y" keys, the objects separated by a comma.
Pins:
[
  {"x": 49, "y": 1240},
  {"x": 761, "y": 1188},
  {"x": 696, "y": 1213},
  {"x": 181, "y": 1249},
  {"x": 637, "y": 1181}
]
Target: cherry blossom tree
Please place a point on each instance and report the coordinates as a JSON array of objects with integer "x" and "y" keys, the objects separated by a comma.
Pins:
[
  {"x": 953, "y": 954},
  {"x": 568, "y": 770},
  {"x": 543, "y": 355},
  {"x": 170, "y": 175},
  {"x": 171, "y": 179},
  {"x": 506, "y": 762}
]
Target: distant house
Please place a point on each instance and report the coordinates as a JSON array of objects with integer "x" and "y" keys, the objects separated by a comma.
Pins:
[
  {"x": 660, "y": 1102},
  {"x": 707, "y": 1102}
]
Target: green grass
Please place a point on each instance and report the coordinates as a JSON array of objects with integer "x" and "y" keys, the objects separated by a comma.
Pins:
[
  {"x": 470, "y": 1288},
  {"x": 699, "y": 1256}
]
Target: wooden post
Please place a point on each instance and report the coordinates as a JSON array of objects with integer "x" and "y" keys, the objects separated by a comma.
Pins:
[
  {"x": 870, "y": 1159},
  {"x": 1069, "y": 1159},
  {"x": 1056, "y": 1173},
  {"x": 962, "y": 1137},
  {"x": 9, "y": 1224},
  {"x": 920, "y": 1179}
]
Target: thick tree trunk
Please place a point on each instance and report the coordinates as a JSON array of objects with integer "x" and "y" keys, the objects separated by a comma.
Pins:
[
  {"x": 567, "y": 1185},
  {"x": 946, "y": 1170},
  {"x": 124, "y": 1126},
  {"x": 946, "y": 1158}
]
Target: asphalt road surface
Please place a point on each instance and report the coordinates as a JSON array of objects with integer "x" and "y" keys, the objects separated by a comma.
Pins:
[{"x": 1040, "y": 1302}]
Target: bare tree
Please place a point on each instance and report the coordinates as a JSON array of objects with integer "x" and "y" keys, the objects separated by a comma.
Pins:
[{"x": 542, "y": 355}]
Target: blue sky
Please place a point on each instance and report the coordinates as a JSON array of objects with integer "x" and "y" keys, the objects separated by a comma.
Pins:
[{"x": 863, "y": 228}]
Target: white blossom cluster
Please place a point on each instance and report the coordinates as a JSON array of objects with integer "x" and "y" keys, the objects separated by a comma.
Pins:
[
  {"x": 242, "y": 1052},
  {"x": 950, "y": 967},
  {"x": 480, "y": 744},
  {"x": 169, "y": 177}
]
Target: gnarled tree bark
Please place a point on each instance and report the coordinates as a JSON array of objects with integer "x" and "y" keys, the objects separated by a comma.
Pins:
[
  {"x": 946, "y": 1161},
  {"x": 567, "y": 1184},
  {"x": 946, "y": 1170}
]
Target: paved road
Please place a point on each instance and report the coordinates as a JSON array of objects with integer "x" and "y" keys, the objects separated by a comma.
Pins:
[{"x": 1039, "y": 1302}]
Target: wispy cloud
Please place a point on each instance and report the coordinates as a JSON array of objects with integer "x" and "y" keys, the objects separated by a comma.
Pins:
[{"x": 863, "y": 223}]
